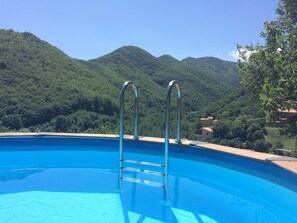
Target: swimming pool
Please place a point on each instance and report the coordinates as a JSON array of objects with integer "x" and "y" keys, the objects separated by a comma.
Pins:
[{"x": 74, "y": 179}]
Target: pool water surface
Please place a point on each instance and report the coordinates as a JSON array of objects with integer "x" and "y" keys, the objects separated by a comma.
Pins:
[{"x": 56, "y": 179}]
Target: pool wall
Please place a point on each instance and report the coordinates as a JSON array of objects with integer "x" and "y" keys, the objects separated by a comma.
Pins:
[
  {"x": 253, "y": 163},
  {"x": 289, "y": 164}
]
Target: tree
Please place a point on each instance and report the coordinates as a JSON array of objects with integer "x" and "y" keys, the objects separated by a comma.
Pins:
[
  {"x": 258, "y": 135},
  {"x": 3, "y": 64},
  {"x": 270, "y": 70},
  {"x": 261, "y": 146},
  {"x": 13, "y": 121},
  {"x": 238, "y": 129},
  {"x": 221, "y": 130},
  {"x": 61, "y": 123}
]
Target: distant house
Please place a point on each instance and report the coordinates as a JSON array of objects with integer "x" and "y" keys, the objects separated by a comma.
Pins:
[
  {"x": 209, "y": 118},
  {"x": 283, "y": 116},
  {"x": 205, "y": 132},
  {"x": 287, "y": 113}
]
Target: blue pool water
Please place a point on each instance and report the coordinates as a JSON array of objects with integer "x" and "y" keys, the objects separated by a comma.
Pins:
[{"x": 55, "y": 179}]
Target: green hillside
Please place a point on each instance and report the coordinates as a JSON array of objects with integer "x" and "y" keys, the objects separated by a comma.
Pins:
[
  {"x": 39, "y": 82},
  {"x": 237, "y": 103},
  {"x": 226, "y": 72},
  {"x": 241, "y": 123},
  {"x": 153, "y": 75},
  {"x": 43, "y": 89},
  {"x": 275, "y": 138}
]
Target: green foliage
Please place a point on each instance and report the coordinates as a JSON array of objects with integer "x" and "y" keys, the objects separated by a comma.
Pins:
[
  {"x": 241, "y": 132},
  {"x": 225, "y": 72},
  {"x": 42, "y": 89},
  {"x": 278, "y": 145},
  {"x": 270, "y": 70},
  {"x": 80, "y": 121},
  {"x": 3, "y": 64},
  {"x": 261, "y": 146},
  {"x": 274, "y": 134},
  {"x": 258, "y": 135},
  {"x": 13, "y": 122},
  {"x": 221, "y": 130},
  {"x": 237, "y": 103},
  {"x": 290, "y": 128},
  {"x": 239, "y": 129}
]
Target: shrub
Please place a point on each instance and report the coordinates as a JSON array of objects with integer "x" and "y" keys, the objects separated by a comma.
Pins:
[
  {"x": 258, "y": 135},
  {"x": 238, "y": 130},
  {"x": 278, "y": 145},
  {"x": 3, "y": 64},
  {"x": 261, "y": 146},
  {"x": 221, "y": 130},
  {"x": 13, "y": 121},
  {"x": 237, "y": 143}
]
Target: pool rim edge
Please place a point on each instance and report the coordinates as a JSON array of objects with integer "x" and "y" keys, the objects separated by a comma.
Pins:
[{"x": 288, "y": 164}]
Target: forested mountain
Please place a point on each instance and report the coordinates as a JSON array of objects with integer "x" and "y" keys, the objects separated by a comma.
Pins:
[
  {"x": 224, "y": 71},
  {"x": 43, "y": 89},
  {"x": 39, "y": 82},
  {"x": 153, "y": 75},
  {"x": 237, "y": 103}
]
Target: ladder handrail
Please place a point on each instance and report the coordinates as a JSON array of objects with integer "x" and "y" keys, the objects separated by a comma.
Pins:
[
  {"x": 178, "y": 116},
  {"x": 136, "y": 114},
  {"x": 167, "y": 128}
]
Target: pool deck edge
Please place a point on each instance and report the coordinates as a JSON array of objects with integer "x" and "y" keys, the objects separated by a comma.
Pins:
[{"x": 286, "y": 163}]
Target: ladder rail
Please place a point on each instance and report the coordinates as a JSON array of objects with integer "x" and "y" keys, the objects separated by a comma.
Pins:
[
  {"x": 121, "y": 135},
  {"x": 136, "y": 137},
  {"x": 167, "y": 128}
]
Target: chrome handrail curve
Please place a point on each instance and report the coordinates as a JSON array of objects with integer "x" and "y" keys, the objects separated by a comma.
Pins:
[
  {"x": 167, "y": 128},
  {"x": 136, "y": 115}
]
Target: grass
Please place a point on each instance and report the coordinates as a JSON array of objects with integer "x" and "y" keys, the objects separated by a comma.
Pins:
[{"x": 273, "y": 136}]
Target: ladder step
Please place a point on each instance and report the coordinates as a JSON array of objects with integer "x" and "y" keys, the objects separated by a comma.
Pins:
[
  {"x": 146, "y": 182},
  {"x": 144, "y": 163},
  {"x": 143, "y": 171}
]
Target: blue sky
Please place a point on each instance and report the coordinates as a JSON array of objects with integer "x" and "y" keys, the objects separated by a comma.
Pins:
[{"x": 92, "y": 28}]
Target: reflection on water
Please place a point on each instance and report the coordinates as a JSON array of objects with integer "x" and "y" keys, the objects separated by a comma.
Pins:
[
  {"x": 90, "y": 195},
  {"x": 81, "y": 186},
  {"x": 43, "y": 206},
  {"x": 18, "y": 174}
]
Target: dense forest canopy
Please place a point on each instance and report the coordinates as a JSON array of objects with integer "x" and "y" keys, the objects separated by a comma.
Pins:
[{"x": 43, "y": 89}]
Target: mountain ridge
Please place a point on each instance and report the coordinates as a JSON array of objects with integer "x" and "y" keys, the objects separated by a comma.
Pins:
[
  {"x": 224, "y": 71},
  {"x": 42, "y": 88}
]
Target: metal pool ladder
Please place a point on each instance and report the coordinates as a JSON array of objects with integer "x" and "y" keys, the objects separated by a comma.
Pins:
[
  {"x": 167, "y": 128},
  {"x": 164, "y": 165}
]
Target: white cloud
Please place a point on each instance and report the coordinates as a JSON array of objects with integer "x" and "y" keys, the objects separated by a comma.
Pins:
[{"x": 236, "y": 56}]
